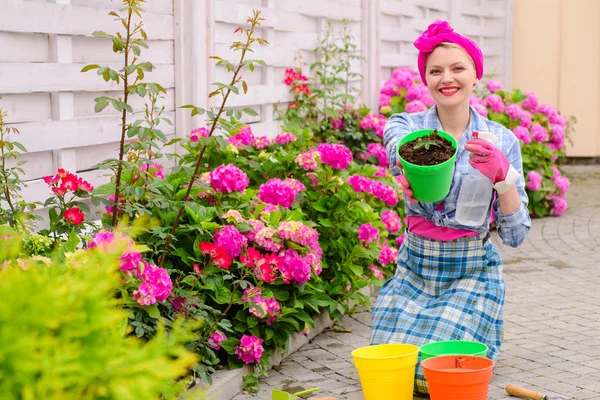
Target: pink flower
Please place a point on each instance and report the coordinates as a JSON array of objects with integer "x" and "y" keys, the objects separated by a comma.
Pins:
[
  {"x": 250, "y": 349},
  {"x": 548, "y": 111},
  {"x": 262, "y": 141},
  {"x": 196, "y": 134},
  {"x": 156, "y": 285},
  {"x": 400, "y": 239},
  {"x": 228, "y": 178},
  {"x": 244, "y": 138},
  {"x": 378, "y": 151},
  {"x": 415, "y": 106},
  {"x": 522, "y": 134},
  {"x": 231, "y": 240},
  {"x": 531, "y": 102},
  {"x": 562, "y": 184},
  {"x": 295, "y": 185},
  {"x": 391, "y": 220},
  {"x": 525, "y": 119},
  {"x": 493, "y": 85},
  {"x": 428, "y": 100},
  {"x": 154, "y": 169},
  {"x": 534, "y": 180},
  {"x": 381, "y": 172},
  {"x": 403, "y": 77},
  {"x": 337, "y": 124},
  {"x": 514, "y": 111},
  {"x": 495, "y": 102},
  {"x": 481, "y": 109},
  {"x": 559, "y": 204},
  {"x": 384, "y": 100},
  {"x": 294, "y": 268},
  {"x": 387, "y": 255},
  {"x": 285, "y": 138},
  {"x": 214, "y": 342},
  {"x": 376, "y": 272},
  {"x": 416, "y": 92},
  {"x": 74, "y": 215},
  {"x": 473, "y": 99},
  {"x": 539, "y": 133},
  {"x": 276, "y": 191},
  {"x": 233, "y": 216},
  {"x": 309, "y": 160},
  {"x": 367, "y": 233},
  {"x": 558, "y": 135},
  {"x": 335, "y": 155}
]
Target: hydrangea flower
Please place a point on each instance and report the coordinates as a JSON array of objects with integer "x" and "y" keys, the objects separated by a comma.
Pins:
[
  {"x": 392, "y": 221},
  {"x": 387, "y": 255},
  {"x": 367, "y": 233},
  {"x": 337, "y": 124},
  {"x": 309, "y": 160},
  {"x": 156, "y": 285},
  {"x": 231, "y": 240},
  {"x": 493, "y": 85},
  {"x": 214, "y": 342},
  {"x": 285, "y": 138},
  {"x": 336, "y": 156},
  {"x": 523, "y": 134},
  {"x": 228, "y": 178},
  {"x": 376, "y": 272},
  {"x": 250, "y": 349},
  {"x": 415, "y": 106},
  {"x": 559, "y": 204},
  {"x": 539, "y": 133},
  {"x": 275, "y": 191},
  {"x": 244, "y": 138},
  {"x": 262, "y": 141},
  {"x": 495, "y": 102},
  {"x": 534, "y": 180},
  {"x": 294, "y": 268},
  {"x": 198, "y": 133}
]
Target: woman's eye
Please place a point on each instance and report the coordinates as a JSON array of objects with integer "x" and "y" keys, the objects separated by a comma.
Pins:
[
  {"x": 434, "y": 71},
  {"x": 459, "y": 68}
]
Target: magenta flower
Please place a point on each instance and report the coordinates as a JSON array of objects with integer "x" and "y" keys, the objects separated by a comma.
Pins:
[
  {"x": 228, "y": 178},
  {"x": 400, "y": 239},
  {"x": 428, "y": 100},
  {"x": 214, "y": 342},
  {"x": 558, "y": 135},
  {"x": 250, "y": 349},
  {"x": 403, "y": 78},
  {"x": 244, "y": 138},
  {"x": 367, "y": 233},
  {"x": 378, "y": 151},
  {"x": 381, "y": 172},
  {"x": 376, "y": 272},
  {"x": 309, "y": 160},
  {"x": 514, "y": 111},
  {"x": 336, "y": 156},
  {"x": 231, "y": 240},
  {"x": 525, "y": 119},
  {"x": 387, "y": 255},
  {"x": 276, "y": 191},
  {"x": 262, "y": 141},
  {"x": 522, "y": 134},
  {"x": 415, "y": 106},
  {"x": 156, "y": 285},
  {"x": 196, "y": 134},
  {"x": 285, "y": 138},
  {"x": 534, "y": 180},
  {"x": 559, "y": 204},
  {"x": 539, "y": 133},
  {"x": 294, "y": 268},
  {"x": 416, "y": 92},
  {"x": 481, "y": 109},
  {"x": 531, "y": 102},
  {"x": 495, "y": 102},
  {"x": 493, "y": 86},
  {"x": 392, "y": 221},
  {"x": 337, "y": 124},
  {"x": 562, "y": 183},
  {"x": 295, "y": 185},
  {"x": 384, "y": 100}
]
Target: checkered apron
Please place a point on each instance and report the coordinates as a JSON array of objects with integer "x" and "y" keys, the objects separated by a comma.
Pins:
[{"x": 442, "y": 291}]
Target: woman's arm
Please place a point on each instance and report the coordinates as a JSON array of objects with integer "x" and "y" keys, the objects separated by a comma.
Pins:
[{"x": 512, "y": 216}]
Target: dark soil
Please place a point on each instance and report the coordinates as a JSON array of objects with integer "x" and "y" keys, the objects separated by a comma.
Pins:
[{"x": 430, "y": 150}]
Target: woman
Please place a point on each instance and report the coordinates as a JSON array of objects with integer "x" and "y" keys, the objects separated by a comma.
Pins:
[{"x": 448, "y": 284}]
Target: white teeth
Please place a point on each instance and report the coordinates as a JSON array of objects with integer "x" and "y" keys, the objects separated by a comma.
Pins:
[{"x": 449, "y": 90}]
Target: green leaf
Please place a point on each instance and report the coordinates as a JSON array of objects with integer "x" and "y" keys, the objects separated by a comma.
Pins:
[
  {"x": 100, "y": 105},
  {"x": 249, "y": 111},
  {"x": 89, "y": 67},
  {"x": 274, "y": 218},
  {"x": 152, "y": 311},
  {"x": 107, "y": 188},
  {"x": 229, "y": 345},
  {"x": 100, "y": 34}
]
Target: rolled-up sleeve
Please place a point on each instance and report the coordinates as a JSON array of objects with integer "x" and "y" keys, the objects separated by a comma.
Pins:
[
  {"x": 395, "y": 129},
  {"x": 513, "y": 227}
]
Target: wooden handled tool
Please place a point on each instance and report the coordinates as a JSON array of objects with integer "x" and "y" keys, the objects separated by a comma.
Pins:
[{"x": 518, "y": 391}]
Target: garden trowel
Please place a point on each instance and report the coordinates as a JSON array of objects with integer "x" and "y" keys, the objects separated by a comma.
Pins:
[
  {"x": 281, "y": 395},
  {"x": 518, "y": 391}
]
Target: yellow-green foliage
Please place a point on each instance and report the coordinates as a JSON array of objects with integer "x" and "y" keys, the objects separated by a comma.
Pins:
[{"x": 62, "y": 336}]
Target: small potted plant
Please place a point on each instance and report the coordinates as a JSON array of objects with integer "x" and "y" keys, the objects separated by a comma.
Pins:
[{"x": 428, "y": 157}]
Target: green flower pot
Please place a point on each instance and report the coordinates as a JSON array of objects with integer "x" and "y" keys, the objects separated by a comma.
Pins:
[
  {"x": 429, "y": 183},
  {"x": 453, "y": 347}
]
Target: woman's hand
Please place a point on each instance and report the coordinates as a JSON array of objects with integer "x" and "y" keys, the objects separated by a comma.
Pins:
[
  {"x": 406, "y": 186},
  {"x": 488, "y": 159}
]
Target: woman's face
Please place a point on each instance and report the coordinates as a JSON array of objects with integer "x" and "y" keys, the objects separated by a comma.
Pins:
[{"x": 450, "y": 75}]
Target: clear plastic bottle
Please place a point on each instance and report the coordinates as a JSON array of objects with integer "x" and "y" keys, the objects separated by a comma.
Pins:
[{"x": 475, "y": 193}]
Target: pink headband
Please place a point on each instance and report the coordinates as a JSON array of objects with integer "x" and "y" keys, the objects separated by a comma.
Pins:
[{"x": 439, "y": 32}]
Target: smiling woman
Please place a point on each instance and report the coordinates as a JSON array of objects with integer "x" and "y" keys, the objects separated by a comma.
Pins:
[{"x": 448, "y": 284}]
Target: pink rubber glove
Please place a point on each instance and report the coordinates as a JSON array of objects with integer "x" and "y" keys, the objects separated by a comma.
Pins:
[{"x": 488, "y": 159}]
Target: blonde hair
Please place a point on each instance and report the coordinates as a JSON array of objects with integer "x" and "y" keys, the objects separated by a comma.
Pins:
[{"x": 450, "y": 45}]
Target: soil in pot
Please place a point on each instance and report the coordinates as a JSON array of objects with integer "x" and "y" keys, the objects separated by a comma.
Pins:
[{"x": 427, "y": 150}]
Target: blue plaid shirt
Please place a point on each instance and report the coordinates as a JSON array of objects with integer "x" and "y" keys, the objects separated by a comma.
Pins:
[{"x": 513, "y": 227}]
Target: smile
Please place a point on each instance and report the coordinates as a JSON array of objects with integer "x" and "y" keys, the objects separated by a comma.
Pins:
[{"x": 449, "y": 91}]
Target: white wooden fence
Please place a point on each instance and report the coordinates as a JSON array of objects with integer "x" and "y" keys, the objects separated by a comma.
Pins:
[{"x": 45, "y": 43}]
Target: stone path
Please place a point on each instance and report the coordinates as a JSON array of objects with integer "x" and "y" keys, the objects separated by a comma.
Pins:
[{"x": 552, "y": 314}]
